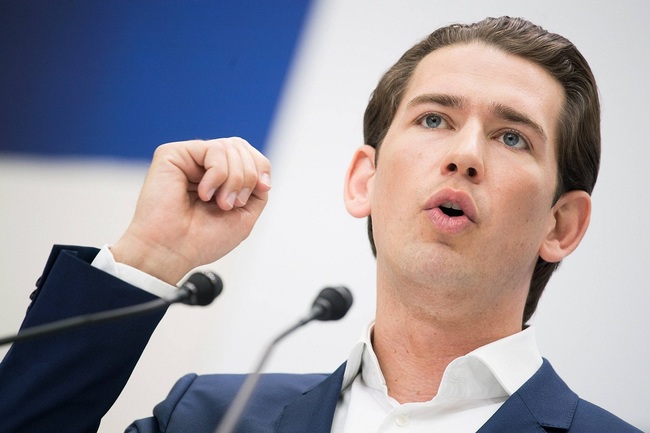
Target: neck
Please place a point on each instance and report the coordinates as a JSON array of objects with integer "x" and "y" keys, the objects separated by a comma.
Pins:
[{"x": 418, "y": 338}]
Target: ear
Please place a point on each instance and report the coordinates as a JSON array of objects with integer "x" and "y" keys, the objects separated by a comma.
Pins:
[
  {"x": 358, "y": 182},
  {"x": 568, "y": 223}
]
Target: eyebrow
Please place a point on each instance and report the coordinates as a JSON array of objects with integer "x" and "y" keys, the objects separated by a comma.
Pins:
[
  {"x": 498, "y": 110},
  {"x": 506, "y": 113},
  {"x": 437, "y": 98}
]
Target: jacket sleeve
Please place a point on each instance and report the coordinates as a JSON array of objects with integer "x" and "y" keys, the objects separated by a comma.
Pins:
[{"x": 67, "y": 382}]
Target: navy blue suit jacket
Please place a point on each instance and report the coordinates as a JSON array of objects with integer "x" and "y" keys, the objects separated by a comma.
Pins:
[
  {"x": 306, "y": 403},
  {"x": 66, "y": 383}
]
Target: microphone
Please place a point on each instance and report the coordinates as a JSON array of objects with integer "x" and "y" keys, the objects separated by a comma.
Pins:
[
  {"x": 201, "y": 288},
  {"x": 332, "y": 303}
]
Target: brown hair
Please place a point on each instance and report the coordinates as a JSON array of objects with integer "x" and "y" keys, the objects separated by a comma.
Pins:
[{"x": 578, "y": 129}]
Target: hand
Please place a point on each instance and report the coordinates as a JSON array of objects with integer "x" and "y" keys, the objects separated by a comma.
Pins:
[{"x": 200, "y": 199}]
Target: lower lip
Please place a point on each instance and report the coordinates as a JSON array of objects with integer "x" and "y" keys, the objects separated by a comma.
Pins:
[{"x": 448, "y": 224}]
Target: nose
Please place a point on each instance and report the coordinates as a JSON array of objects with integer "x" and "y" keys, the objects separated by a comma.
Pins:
[{"x": 464, "y": 158}]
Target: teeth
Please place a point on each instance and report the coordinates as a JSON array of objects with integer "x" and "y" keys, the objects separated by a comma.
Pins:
[{"x": 450, "y": 205}]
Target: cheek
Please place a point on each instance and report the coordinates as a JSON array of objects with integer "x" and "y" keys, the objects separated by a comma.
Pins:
[
  {"x": 395, "y": 176},
  {"x": 394, "y": 195},
  {"x": 526, "y": 207}
]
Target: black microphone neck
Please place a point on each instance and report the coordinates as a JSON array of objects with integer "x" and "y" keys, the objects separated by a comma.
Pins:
[
  {"x": 199, "y": 289},
  {"x": 85, "y": 320},
  {"x": 330, "y": 304}
]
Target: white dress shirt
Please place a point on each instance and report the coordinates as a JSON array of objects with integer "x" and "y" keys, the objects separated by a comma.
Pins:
[{"x": 473, "y": 386}]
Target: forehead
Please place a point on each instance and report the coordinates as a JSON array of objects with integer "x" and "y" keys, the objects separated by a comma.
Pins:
[{"x": 484, "y": 76}]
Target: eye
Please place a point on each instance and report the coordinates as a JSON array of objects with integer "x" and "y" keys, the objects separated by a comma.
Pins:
[
  {"x": 432, "y": 121},
  {"x": 514, "y": 140}
]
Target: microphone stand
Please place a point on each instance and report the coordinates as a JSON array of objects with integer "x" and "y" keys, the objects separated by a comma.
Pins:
[
  {"x": 199, "y": 289},
  {"x": 232, "y": 416},
  {"x": 331, "y": 304},
  {"x": 88, "y": 319}
]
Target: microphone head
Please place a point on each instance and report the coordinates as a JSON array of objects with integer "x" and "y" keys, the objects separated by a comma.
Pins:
[
  {"x": 332, "y": 303},
  {"x": 202, "y": 288}
]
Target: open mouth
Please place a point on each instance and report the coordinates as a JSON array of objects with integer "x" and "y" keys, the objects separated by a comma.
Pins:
[{"x": 451, "y": 209}]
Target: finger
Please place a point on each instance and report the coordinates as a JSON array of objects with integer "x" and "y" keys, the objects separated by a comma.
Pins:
[
  {"x": 175, "y": 156},
  {"x": 250, "y": 174},
  {"x": 212, "y": 156},
  {"x": 263, "y": 168},
  {"x": 232, "y": 186},
  {"x": 233, "y": 170}
]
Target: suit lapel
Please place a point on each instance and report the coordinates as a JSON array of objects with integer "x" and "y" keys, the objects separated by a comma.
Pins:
[
  {"x": 543, "y": 401},
  {"x": 313, "y": 411},
  {"x": 512, "y": 417}
]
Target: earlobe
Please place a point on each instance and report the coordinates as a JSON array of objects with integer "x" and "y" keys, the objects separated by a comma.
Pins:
[
  {"x": 570, "y": 219},
  {"x": 358, "y": 182}
]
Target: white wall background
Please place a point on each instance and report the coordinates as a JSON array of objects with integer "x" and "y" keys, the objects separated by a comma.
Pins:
[{"x": 591, "y": 322}]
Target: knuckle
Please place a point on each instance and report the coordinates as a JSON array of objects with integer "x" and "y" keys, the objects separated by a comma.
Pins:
[
  {"x": 265, "y": 165},
  {"x": 217, "y": 144},
  {"x": 162, "y": 149},
  {"x": 250, "y": 178},
  {"x": 235, "y": 178},
  {"x": 233, "y": 142}
]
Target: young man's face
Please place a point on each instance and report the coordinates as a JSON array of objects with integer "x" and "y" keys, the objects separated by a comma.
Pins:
[{"x": 464, "y": 184}]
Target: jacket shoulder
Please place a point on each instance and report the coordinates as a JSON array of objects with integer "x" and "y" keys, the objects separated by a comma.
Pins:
[
  {"x": 554, "y": 405},
  {"x": 199, "y": 402},
  {"x": 590, "y": 418}
]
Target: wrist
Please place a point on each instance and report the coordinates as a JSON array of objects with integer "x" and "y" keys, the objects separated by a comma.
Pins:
[{"x": 153, "y": 259}]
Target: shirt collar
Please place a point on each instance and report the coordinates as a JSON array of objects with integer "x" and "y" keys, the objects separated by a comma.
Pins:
[
  {"x": 511, "y": 360},
  {"x": 353, "y": 365},
  {"x": 494, "y": 370}
]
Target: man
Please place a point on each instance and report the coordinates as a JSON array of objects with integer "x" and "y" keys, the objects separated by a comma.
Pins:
[{"x": 482, "y": 149}]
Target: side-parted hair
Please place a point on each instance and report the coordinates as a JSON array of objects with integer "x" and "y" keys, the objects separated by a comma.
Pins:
[{"x": 578, "y": 128}]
